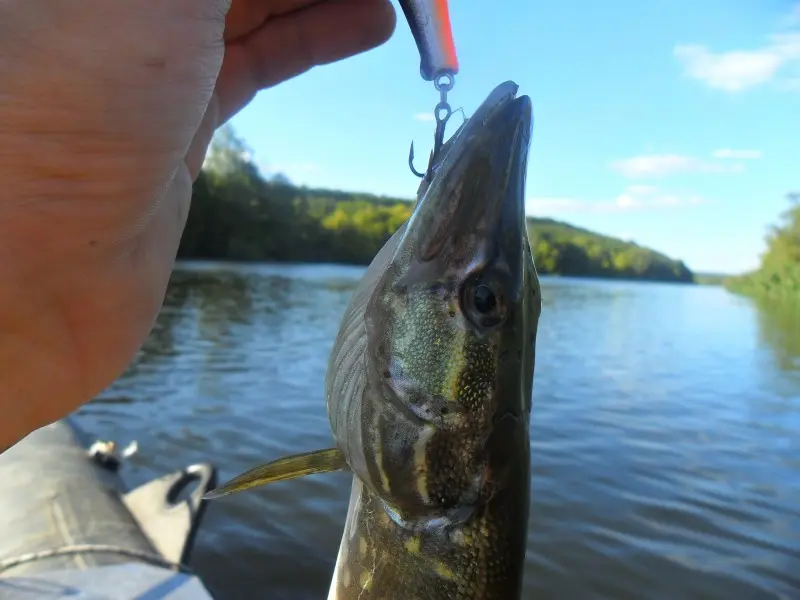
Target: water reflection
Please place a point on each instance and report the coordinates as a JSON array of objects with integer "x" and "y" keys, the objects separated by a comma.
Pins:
[{"x": 779, "y": 326}]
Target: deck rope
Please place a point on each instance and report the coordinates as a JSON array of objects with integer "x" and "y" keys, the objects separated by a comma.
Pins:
[{"x": 147, "y": 557}]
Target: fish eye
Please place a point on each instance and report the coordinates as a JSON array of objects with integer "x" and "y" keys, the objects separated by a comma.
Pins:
[{"x": 484, "y": 301}]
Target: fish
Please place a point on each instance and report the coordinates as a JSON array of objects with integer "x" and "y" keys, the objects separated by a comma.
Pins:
[
  {"x": 430, "y": 381},
  {"x": 429, "y": 21}
]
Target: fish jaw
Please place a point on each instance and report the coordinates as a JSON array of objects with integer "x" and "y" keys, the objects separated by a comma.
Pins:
[{"x": 474, "y": 209}]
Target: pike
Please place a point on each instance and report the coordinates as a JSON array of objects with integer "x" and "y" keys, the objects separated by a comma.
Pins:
[{"x": 429, "y": 383}]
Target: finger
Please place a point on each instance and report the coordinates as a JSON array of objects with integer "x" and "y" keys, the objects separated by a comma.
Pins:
[
  {"x": 202, "y": 139},
  {"x": 246, "y": 16},
  {"x": 293, "y": 43}
]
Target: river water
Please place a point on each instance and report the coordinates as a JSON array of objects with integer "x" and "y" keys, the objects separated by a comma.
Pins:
[{"x": 665, "y": 434}]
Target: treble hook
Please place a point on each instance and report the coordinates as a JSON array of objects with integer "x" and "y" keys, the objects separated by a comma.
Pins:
[{"x": 442, "y": 112}]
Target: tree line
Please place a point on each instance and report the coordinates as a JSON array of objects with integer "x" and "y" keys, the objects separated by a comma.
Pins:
[
  {"x": 778, "y": 276},
  {"x": 238, "y": 214}
]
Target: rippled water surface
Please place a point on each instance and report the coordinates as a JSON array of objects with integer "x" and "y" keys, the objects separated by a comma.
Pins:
[{"x": 665, "y": 430}]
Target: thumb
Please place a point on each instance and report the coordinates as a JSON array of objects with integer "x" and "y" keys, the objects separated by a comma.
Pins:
[{"x": 202, "y": 139}]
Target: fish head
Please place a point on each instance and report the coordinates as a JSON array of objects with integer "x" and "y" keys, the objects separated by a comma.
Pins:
[{"x": 451, "y": 327}]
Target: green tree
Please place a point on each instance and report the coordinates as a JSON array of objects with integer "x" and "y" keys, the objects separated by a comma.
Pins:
[{"x": 778, "y": 276}]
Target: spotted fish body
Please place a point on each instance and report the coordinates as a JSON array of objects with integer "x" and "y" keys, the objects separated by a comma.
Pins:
[{"x": 430, "y": 380}]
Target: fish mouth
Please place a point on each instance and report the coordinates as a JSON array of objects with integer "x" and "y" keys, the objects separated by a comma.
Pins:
[{"x": 473, "y": 212}]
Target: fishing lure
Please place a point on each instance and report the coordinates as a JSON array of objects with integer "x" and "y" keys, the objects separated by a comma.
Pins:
[{"x": 429, "y": 21}]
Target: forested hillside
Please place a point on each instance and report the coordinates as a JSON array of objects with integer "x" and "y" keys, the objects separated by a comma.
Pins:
[{"x": 239, "y": 215}]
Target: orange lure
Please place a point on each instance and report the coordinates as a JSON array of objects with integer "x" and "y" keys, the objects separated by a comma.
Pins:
[{"x": 430, "y": 25}]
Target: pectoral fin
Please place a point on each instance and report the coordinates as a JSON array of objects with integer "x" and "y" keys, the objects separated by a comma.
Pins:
[{"x": 288, "y": 467}]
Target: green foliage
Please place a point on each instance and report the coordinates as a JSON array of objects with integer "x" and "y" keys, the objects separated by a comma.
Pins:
[
  {"x": 778, "y": 277},
  {"x": 710, "y": 278},
  {"x": 239, "y": 215},
  {"x": 561, "y": 249}
]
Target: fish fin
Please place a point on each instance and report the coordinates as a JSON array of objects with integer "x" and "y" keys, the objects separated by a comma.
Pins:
[{"x": 288, "y": 467}]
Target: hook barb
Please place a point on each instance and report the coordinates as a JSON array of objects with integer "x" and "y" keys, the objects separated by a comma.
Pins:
[
  {"x": 442, "y": 113},
  {"x": 411, "y": 162}
]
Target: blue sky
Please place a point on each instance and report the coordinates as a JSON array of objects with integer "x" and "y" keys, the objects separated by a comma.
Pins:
[{"x": 671, "y": 123}]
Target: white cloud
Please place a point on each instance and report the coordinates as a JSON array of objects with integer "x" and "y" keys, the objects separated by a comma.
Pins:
[
  {"x": 653, "y": 164},
  {"x": 634, "y": 197},
  {"x": 740, "y": 69},
  {"x": 659, "y": 165},
  {"x": 424, "y": 117},
  {"x": 729, "y": 71},
  {"x": 728, "y": 153}
]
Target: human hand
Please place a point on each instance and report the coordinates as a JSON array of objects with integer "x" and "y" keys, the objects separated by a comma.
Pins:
[{"x": 106, "y": 113}]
